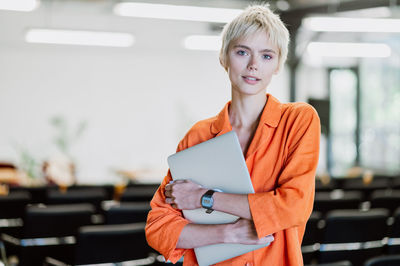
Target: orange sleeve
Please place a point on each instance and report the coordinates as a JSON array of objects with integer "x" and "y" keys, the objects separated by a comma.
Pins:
[
  {"x": 165, "y": 224},
  {"x": 290, "y": 204}
]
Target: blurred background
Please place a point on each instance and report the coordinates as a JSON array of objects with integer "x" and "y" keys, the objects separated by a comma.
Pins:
[{"x": 116, "y": 103}]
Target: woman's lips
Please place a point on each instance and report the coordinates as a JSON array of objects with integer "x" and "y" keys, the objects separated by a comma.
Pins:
[{"x": 251, "y": 80}]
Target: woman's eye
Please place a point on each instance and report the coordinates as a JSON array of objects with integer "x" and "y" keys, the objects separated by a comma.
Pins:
[
  {"x": 241, "y": 52},
  {"x": 268, "y": 57}
]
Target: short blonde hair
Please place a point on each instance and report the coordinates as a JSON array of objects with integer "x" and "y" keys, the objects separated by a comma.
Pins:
[{"x": 253, "y": 19}]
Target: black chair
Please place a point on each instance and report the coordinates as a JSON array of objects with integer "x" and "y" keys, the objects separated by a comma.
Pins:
[
  {"x": 337, "y": 199},
  {"x": 312, "y": 237},
  {"x": 93, "y": 196},
  {"x": 388, "y": 260},
  {"x": 337, "y": 263},
  {"x": 394, "y": 234},
  {"x": 107, "y": 188},
  {"x": 127, "y": 212},
  {"x": 47, "y": 230},
  {"x": 321, "y": 187},
  {"x": 138, "y": 193},
  {"x": 388, "y": 199},
  {"x": 109, "y": 244},
  {"x": 13, "y": 205},
  {"x": 12, "y": 210},
  {"x": 366, "y": 188},
  {"x": 353, "y": 235},
  {"x": 396, "y": 183},
  {"x": 38, "y": 194}
]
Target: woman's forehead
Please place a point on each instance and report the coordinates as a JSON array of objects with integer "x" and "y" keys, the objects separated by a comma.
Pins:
[{"x": 259, "y": 40}]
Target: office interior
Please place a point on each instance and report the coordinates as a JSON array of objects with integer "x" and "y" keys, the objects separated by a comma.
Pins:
[{"x": 88, "y": 123}]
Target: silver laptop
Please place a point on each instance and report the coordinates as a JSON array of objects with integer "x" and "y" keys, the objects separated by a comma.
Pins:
[{"x": 216, "y": 164}]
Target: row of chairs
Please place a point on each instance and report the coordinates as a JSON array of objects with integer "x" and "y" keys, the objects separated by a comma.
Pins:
[
  {"x": 344, "y": 199},
  {"x": 353, "y": 235},
  {"x": 68, "y": 233},
  {"x": 358, "y": 183},
  {"x": 385, "y": 260},
  {"x": 132, "y": 191},
  {"x": 13, "y": 204}
]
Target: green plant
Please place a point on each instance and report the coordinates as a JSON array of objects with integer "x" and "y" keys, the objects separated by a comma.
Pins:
[
  {"x": 27, "y": 162},
  {"x": 64, "y": 138}
]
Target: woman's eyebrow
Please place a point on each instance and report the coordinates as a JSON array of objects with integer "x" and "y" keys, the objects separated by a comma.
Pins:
[{"x": 248, "y": 48}]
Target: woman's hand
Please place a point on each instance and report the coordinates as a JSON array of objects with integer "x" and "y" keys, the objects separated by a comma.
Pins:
[
  {"x": 184, "y": 194},
  {"x": 244, "y": 232}
]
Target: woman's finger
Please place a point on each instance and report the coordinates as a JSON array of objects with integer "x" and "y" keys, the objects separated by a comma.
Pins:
[{"x": 169, "y": 201}]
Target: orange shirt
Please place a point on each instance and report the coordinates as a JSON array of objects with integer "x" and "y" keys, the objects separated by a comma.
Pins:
[{"x": 281, "y": 159}]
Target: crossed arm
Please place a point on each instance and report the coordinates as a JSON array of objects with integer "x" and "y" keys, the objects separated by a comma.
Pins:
[{"x": 186, "y": 195}]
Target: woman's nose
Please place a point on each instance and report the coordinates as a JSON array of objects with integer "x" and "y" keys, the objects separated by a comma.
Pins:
[{"x": 252, "y": 64}]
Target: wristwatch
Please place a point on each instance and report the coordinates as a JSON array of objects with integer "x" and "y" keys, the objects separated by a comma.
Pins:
[{"x": 207, "y": 201}]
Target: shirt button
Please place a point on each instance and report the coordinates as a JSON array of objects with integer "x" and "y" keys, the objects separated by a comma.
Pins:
[{"x": 249, "y": 264}]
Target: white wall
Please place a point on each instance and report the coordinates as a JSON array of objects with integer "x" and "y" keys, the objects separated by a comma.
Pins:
[
  {"x": 138, "y": 104},
  {"x": 138, "y": 101}
]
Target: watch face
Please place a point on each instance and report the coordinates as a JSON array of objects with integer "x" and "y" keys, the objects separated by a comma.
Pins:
[{"x": 207, "y": 202}]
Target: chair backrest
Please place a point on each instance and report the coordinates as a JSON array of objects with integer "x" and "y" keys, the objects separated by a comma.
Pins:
[
  {"x": 38, "y": 194},
  {"x": 91, "y": 195},
  {"x": 336, "y": 263},
  {"x": 107, "y": 188},
  {"x": 389, "y": 199},
  {"x": 346, "y": 226},
  {"x": 366, "y": 188},
  {"x": 56, "y": 220},
  {"x": 394, "y": 234},
  {"x": 139, "y": 193},
  {"x": 396, "y": 183},
  {"x": 13, "y": 205},
  {"x": 337, "y": 199},
  {"x": 353, "y": 235},
  {"x": 127, "y": 212},
  {"x": 321, "y": 187},
  {"x": 312, "y": 236},
  {"x": 389, "y": 260},
  {"x": 111, "y": 243}
]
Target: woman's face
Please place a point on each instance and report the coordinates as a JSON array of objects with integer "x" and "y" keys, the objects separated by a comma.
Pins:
[{"x": 251, "y": 62}]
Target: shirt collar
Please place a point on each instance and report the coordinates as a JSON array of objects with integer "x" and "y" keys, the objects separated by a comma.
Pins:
[{"x": 270, "y": 116}]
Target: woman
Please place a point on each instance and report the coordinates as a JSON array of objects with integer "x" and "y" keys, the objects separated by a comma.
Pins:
[{"x": 280, "y": 143}]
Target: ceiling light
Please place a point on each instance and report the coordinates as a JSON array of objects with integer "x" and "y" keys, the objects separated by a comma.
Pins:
[
  {"x": 161, "y": 11},
  {"x": 373, "y": 12},
  {"x": 19, "y": 5},
  {"x": 335, "y": 49},
  {"x": 282, "y": 5},
  {"x": 340, "y": 24},
  {"x": 90, "y": 38},
  {"x": 202, "y": 42}
]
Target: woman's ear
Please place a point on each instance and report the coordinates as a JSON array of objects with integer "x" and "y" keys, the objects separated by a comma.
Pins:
[
  {"x": 223, "y": 64},
  {"x": 277, "y": 69}
]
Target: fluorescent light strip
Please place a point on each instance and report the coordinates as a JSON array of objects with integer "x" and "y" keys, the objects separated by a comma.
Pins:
[
  {"x": 334, "y": 49},
  {"x": 352, "y": 24},
  {"x": 72, "y": 37},
  {"x": 202, "y": 42},
  {"x": 19, "y": 5},
  {"x": 161, "y": 11},
  {"x": 373, "y": 12}
]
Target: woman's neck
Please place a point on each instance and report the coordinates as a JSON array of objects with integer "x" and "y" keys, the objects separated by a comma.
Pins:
[{"x": 245, "y": 111}]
